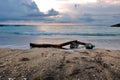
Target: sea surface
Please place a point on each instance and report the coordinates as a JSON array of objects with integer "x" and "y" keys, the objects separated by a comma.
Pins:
[{"x": 19, "y": 37}]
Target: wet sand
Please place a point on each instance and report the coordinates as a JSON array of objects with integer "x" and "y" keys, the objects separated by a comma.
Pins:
[{"x": 59, "y": 64}]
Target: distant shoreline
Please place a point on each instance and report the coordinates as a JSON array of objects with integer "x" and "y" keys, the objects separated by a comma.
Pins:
[
  {"x": 116, "y": 25},
  {"x": 37, "y": 24},
  {"x": 21, "y": 23}
]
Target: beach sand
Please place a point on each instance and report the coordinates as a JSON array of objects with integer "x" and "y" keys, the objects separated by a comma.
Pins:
[{"x": 59, "y": 64}]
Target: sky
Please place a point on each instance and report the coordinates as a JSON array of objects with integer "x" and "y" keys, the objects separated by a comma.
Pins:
[{"x": 61, "y": 11}]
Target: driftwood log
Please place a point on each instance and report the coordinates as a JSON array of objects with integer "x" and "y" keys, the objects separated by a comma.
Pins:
[{"x": 73, "y": 44}]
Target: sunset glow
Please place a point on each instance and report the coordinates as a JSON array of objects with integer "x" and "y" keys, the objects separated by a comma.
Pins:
[{"x": 82, "y": 1}]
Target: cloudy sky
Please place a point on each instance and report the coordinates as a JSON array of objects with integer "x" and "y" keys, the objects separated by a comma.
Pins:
[{"x": 70, "y": 11}]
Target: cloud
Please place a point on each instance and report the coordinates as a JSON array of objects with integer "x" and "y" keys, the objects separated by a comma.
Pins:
[
  {"x": 52, "y": 12},
  {"x": 110, "y": 1},
  {"x": 19, "y": 8},
  {"x": 101, "y": 12},
  {"x": 22, "y": 10}
]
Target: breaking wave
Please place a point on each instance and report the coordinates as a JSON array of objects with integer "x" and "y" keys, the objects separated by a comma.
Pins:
[{"x": 58, "y": 33}]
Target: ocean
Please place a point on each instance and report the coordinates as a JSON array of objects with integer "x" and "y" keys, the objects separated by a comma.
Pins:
[{"x": 19, "y": 37}]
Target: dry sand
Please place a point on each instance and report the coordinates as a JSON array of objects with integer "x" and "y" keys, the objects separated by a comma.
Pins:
[{"x": 58, "y": 64}]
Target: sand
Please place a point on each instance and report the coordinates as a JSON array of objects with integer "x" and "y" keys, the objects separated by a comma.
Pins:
[{"x": 59, "y": 64}]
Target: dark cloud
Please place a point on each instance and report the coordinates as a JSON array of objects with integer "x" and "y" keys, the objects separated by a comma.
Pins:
[
  {"x": 17, "y": 7},
  {"x": 22, "y": 10},
  {"x": 52, "y": 12}
]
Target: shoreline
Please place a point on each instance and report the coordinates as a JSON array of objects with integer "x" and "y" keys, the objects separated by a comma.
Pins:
[
  {"x": 23, "y": 41},
  {"x": 59, "y": 64},
  {"x": 31, "y": 23}
]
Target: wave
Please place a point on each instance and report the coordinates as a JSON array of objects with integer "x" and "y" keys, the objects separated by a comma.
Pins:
[{"x": 58, "y": 33}]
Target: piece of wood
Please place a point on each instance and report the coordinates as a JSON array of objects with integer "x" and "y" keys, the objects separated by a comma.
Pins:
[
  {"x": 73, "y": 44},
  {"x": 33, "y": 45}
]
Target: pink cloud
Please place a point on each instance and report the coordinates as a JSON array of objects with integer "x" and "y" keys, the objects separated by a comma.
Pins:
[{"x": 110, "y": 1}]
